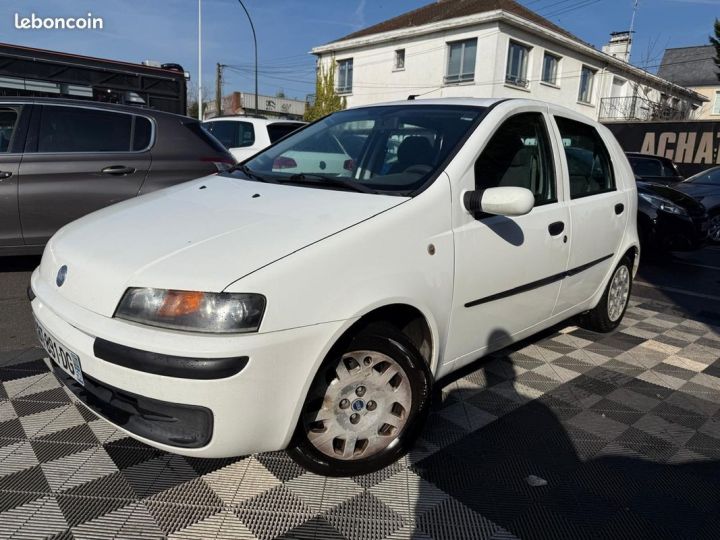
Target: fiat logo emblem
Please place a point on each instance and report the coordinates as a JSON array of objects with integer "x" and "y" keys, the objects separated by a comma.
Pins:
[{"x": 61, "y": 275}]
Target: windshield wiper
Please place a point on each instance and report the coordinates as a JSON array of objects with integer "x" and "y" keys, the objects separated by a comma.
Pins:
[
  {"x": 247, "y": 171},
  {"x": 307, "y": 178}
]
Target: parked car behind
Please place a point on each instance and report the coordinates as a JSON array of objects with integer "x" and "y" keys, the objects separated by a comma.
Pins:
[
  {"x": 258, "y": 309},
  {"x": 669, "y": 219},
  {"x": 705, "y": 188},
  {"x": 659, "y": 170},
  {"x": 62, "y": 159},
  {"x": 245, "y": 136}
]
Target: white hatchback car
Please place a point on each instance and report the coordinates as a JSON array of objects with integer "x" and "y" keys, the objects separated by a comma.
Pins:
[
  {"x": 257, "y": 310},
  {"x": 245, "y": 136}
]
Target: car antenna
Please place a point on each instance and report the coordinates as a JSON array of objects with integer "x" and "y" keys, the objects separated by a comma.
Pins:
[{"x": 412, "y": 97}]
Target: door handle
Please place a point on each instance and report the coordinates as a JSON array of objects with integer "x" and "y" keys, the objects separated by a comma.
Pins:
[
  {"x": 619, "y": 208},
  {"x": 5, "y": 174},
  {"x": 118, "y": 170},
  {"x": 556, "y": 228}
]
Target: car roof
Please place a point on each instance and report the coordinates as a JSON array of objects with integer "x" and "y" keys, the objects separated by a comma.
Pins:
[
  {"x": 650, "y": 156},
  {"x": 484, "y": 103},
  {"x": 89, "y": 103},
  {"x": 255, "y": 120}
]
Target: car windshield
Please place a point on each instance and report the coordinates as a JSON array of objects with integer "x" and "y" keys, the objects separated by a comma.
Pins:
[
  {"x": 711, "y": 176},
  {"x": 387, "y": 149}
]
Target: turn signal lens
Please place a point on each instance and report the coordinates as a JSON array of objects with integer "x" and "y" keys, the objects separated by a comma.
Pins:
[
  {"x": 193, "y": 311},
  {"x": 179, "y": 303}
]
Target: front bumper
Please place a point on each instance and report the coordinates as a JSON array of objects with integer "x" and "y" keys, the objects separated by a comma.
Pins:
[
  {"x": 681, "y": 233},
  {"x": 254, "y": 410}
]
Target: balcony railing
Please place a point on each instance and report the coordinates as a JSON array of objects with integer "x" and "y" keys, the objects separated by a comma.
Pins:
[
  {"x": 514, "y": 80},
  {"x": 639, "y": 108}
]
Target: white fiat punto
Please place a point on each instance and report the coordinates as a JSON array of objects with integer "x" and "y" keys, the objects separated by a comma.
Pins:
[{"x": 258, "y": 309}]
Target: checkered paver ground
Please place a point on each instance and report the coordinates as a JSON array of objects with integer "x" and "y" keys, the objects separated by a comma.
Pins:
[{"x": 568, "y": 435}]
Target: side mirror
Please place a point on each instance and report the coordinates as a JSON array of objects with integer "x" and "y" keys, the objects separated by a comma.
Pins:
[{"x": 500, "y": 201}]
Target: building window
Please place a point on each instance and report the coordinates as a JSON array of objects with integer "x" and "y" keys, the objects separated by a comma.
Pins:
[
  {"x": 461, "y": 61},
  {"x": 345, "y": 76},
  {"x": 517, "y": 65},
  {"x": 550, "y": 69},
  {"x": 400, "y": 59},
  {"x": 586, "y": 85},
  {"x": 716, "y": 105}
]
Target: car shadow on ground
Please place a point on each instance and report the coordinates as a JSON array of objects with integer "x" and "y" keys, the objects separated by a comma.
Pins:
[{"x": 577, "y": 462}]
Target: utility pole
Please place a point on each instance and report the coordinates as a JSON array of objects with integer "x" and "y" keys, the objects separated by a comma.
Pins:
[
  {"x": 218, "y": 88},
  {"x": 200, "y": 102}
]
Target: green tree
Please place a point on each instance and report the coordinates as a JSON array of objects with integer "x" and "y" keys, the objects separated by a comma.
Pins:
[
  {"x": 715, "y": 42},
  {"x": 327, "y": 99}
]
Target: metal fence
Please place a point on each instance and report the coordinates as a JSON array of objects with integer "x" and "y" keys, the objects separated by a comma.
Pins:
[{"x": 639, "y": 108}]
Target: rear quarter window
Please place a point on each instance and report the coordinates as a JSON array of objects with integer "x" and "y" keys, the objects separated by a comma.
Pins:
[{"x": 142, "y": 134}]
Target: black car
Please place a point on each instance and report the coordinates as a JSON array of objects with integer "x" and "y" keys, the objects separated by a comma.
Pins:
[
  {"x": 61, "y": 159},
  {"x": 705, "y": 188},
  {"x": 659, "y": 170},
  {"x": 669, "y": 219}
]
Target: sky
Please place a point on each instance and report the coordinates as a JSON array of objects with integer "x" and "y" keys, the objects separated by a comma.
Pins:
[{"x": 166, "y": 31}]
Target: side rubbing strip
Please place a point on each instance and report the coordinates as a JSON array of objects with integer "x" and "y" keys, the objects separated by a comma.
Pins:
[{"x": 539, "y": 283}]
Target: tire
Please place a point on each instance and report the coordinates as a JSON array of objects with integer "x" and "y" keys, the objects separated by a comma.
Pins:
[
  {"x": 372, "y": 418},
  {"x": 606, "y": 316},
  {"x": 714, "y": 228}
]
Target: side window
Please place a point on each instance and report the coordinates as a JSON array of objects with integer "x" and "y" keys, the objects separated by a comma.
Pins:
[
  {"x": 519, "y": 154},
  {"x": 8, "y": 119},
  {"x": 645, "y": 166},
  {"x": 232, "y": 134},
  {"x": 669, "y": 169},
  {"x": 142, "y": 134},
  {"x": 588, "y": 160},
  {"x": 278, "y": 130},
  {"x": 71, "y": 129}
]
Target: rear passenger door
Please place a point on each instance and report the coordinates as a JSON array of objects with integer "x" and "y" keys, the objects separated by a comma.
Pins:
[
  {"x": 598, "y": 211},
  {"x": 79, "y": 159},
  {"x": 12, "y": 139}
]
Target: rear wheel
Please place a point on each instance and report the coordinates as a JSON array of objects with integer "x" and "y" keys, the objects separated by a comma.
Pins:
[
  {"x": 606, "y": 316},
  {"x": 365, "y": 407}
]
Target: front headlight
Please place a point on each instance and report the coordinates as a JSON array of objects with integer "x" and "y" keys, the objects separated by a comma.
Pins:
[
  {"x": 663, "y": 204},
  {"x": 193, "y": 311}
]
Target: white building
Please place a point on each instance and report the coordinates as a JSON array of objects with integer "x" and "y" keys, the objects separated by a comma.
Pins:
[{"x": 498, "y": 48}]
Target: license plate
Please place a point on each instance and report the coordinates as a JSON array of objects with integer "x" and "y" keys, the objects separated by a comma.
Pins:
[{"x": 63, "y": 357}]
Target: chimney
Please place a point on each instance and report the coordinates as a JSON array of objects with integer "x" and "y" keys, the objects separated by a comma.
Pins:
[{"x": 619, "y": 46}]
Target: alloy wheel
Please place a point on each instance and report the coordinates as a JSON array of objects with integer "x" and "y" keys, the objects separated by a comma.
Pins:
[
  {"x": 714, "y": 228},
  {"x": 618, "y": 293}
]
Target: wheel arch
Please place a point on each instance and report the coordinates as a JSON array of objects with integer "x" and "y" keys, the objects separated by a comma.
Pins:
[{"x": 416, "y": 324}]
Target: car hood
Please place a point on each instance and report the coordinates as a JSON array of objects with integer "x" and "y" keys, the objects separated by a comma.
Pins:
[
  {"x": 201, "y": 235},
  {"x": 697, "y": 190},
  {"x": 673, "y": 195}
]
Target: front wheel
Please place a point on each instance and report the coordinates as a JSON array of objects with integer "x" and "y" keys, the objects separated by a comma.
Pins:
[
  {"x": 365, "y": 407},
  {"x": 714, "y": 228},
  {"x": 606, "y": 316}
]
